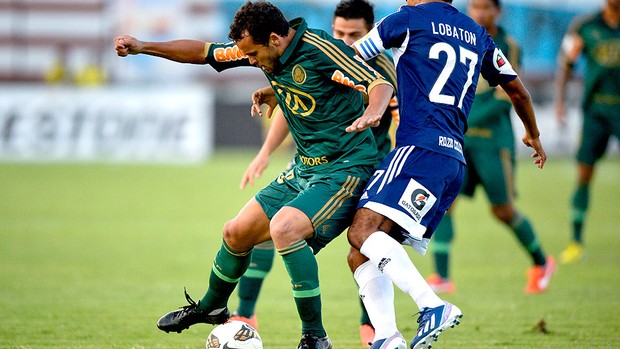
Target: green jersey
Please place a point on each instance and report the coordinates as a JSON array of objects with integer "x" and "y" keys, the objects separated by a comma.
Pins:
[
  {"x": 489, "y": 119},
  {"x": 317, "y": 85},
  {"x": 602, "y": 54}
]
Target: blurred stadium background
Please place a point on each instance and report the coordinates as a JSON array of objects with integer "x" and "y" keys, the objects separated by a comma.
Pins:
[{"x": 66, "y": 96}]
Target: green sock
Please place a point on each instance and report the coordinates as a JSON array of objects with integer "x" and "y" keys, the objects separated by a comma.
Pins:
[
  {"x": 580, "y": 203},
  {"x": 443, "y": 236},
  {"x": 251, "y": 282},
  {"x": 364, "y": 318},
  {"x": 524, "y": 232},
  {"x": 304, "y": 272},
  {"x": 226, "y": 272}
]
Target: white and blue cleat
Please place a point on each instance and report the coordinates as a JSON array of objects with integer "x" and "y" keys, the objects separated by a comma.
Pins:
[
  {"x": 432, "y": 322},
  {"x": 395, "y": 341}
]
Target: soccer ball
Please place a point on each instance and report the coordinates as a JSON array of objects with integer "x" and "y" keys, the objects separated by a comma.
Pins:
[{"x": 234, "y": 335}]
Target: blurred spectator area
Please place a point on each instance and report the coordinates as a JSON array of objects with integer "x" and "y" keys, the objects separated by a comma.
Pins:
[
  {"x": 40, "y": 39},
  {"x": 43, "y": 39}
]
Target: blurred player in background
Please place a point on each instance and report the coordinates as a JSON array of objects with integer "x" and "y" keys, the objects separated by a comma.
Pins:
[
  {"x": 597, "y": 38},
  {"x": 316, "y": 81},
  {"x": 352, "y": 19},
  {"x": 439, "y": 54},
  {"x": 489, "y": 152}
]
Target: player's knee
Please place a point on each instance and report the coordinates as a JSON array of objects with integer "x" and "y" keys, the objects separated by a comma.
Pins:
[
  {"x": 282, "y": 232},
  {"x": 233, "y": 233},
  {"x": 355, "y": 258},
  {"x": 289, "y": 226},
  {"x": 504, "y": 213}
]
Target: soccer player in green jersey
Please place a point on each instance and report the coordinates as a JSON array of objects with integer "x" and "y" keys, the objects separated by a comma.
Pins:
[
  {"x": 352, "y": 19},
  {"x": 597, "y": 38},
  {"x": 316, "y": 81},
  {"x": 489, "y": 151}
]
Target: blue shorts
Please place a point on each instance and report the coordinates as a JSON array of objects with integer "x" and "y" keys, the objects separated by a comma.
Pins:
[{"x": 414, "y": 187}]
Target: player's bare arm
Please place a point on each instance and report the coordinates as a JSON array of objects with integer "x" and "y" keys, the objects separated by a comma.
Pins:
[
  {"x": 378, "y": 100},
  {"x": 572, "y": 45},
  {"x": 522, "y": 102},
  {"x": 275, "y": 136},
  {"x": 182, "y": 51}
]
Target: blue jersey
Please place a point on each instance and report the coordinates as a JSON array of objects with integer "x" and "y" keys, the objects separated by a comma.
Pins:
[{"x": 439, "y": 54}]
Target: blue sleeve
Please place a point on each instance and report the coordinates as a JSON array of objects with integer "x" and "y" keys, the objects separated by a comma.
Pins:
[
  {"x": 496, "y": 69},
  {"x": 390, "y": 32},
  {"x": 393, "y": 29}
]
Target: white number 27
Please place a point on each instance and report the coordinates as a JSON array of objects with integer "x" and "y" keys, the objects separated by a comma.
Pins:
[{"x": 465, "y": 55}]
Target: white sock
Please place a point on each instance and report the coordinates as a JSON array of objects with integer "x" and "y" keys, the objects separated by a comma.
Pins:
[
  {"x": 391, "y": 258},
  {"x": 377, "y": 293}
]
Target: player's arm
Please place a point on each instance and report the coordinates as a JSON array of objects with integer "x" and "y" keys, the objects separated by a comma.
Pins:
[
  {"x": 390, "y": 32},
  {"x": 522, "y": 102},
  {"x": 220, "y": 56},
  {"x": 497, "y": 70},
  {"x": 572, "y": 45},
  {"x": 378, "y": 100},
  {"x": 183, "y": 51},
  {"x": 275, "y": 136}
]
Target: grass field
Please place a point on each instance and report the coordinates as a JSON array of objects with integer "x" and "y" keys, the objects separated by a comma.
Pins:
[{"x": 92, "y": 255}]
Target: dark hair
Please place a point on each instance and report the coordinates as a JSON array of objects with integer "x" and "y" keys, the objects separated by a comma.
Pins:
[
  {"x": 496, "y": 3},
  {"x": 259, "y": 19},
  {"x": 354, "y": 9}
]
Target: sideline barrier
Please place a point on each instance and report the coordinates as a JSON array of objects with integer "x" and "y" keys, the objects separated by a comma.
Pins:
[{"x": 163, "y": 124}]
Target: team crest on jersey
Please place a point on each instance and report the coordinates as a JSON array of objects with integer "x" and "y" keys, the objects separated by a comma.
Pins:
[
  {"x": 299, "y": 74},
  {"x": 296, "y": 101},
  {"x": 417, "y": 200},
  {"x": 500, "y": 61}
]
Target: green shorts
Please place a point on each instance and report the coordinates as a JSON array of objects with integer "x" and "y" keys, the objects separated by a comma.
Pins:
[
  {"x": 492, "y": 168},
  {"x": 597, "y": 128},
  {"x": 328, "y": 200}
]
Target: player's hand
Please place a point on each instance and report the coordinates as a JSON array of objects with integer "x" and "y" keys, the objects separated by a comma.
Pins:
[
  {"x": 127, "y": 45},
  {"x": 255, "y": 169},
  {"x": 364, "y": 122},
  {"x": 265, "y": 95},
  {"x": 539, "y": 155}
]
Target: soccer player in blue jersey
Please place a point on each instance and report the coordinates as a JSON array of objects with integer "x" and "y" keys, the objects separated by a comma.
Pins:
[
  {"x": 489, "y": 152},
  {"x": 439, "y": 54}
]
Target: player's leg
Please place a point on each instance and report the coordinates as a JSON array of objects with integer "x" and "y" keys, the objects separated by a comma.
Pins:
[
  {"x": 377, "y": 295},
  {"x": 251, "y": 282},
  {"x": 307, "y": 224},
  {"x": 595, "y": 134},
  {"x": 367, "y": 330},
  {"x": 248, "y": 228},
  {"x": 496, "y": 172},
  {"x": 441, "y": 248},
  {"x": 411, "y": 197},
  {"x": 444, "y": 233},
  {"x": 544, "y": 266}
]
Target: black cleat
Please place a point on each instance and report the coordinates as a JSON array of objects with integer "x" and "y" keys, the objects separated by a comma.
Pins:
[
  {"x": 179, "y": 320},
  {"x": 312, "y": 341}
]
